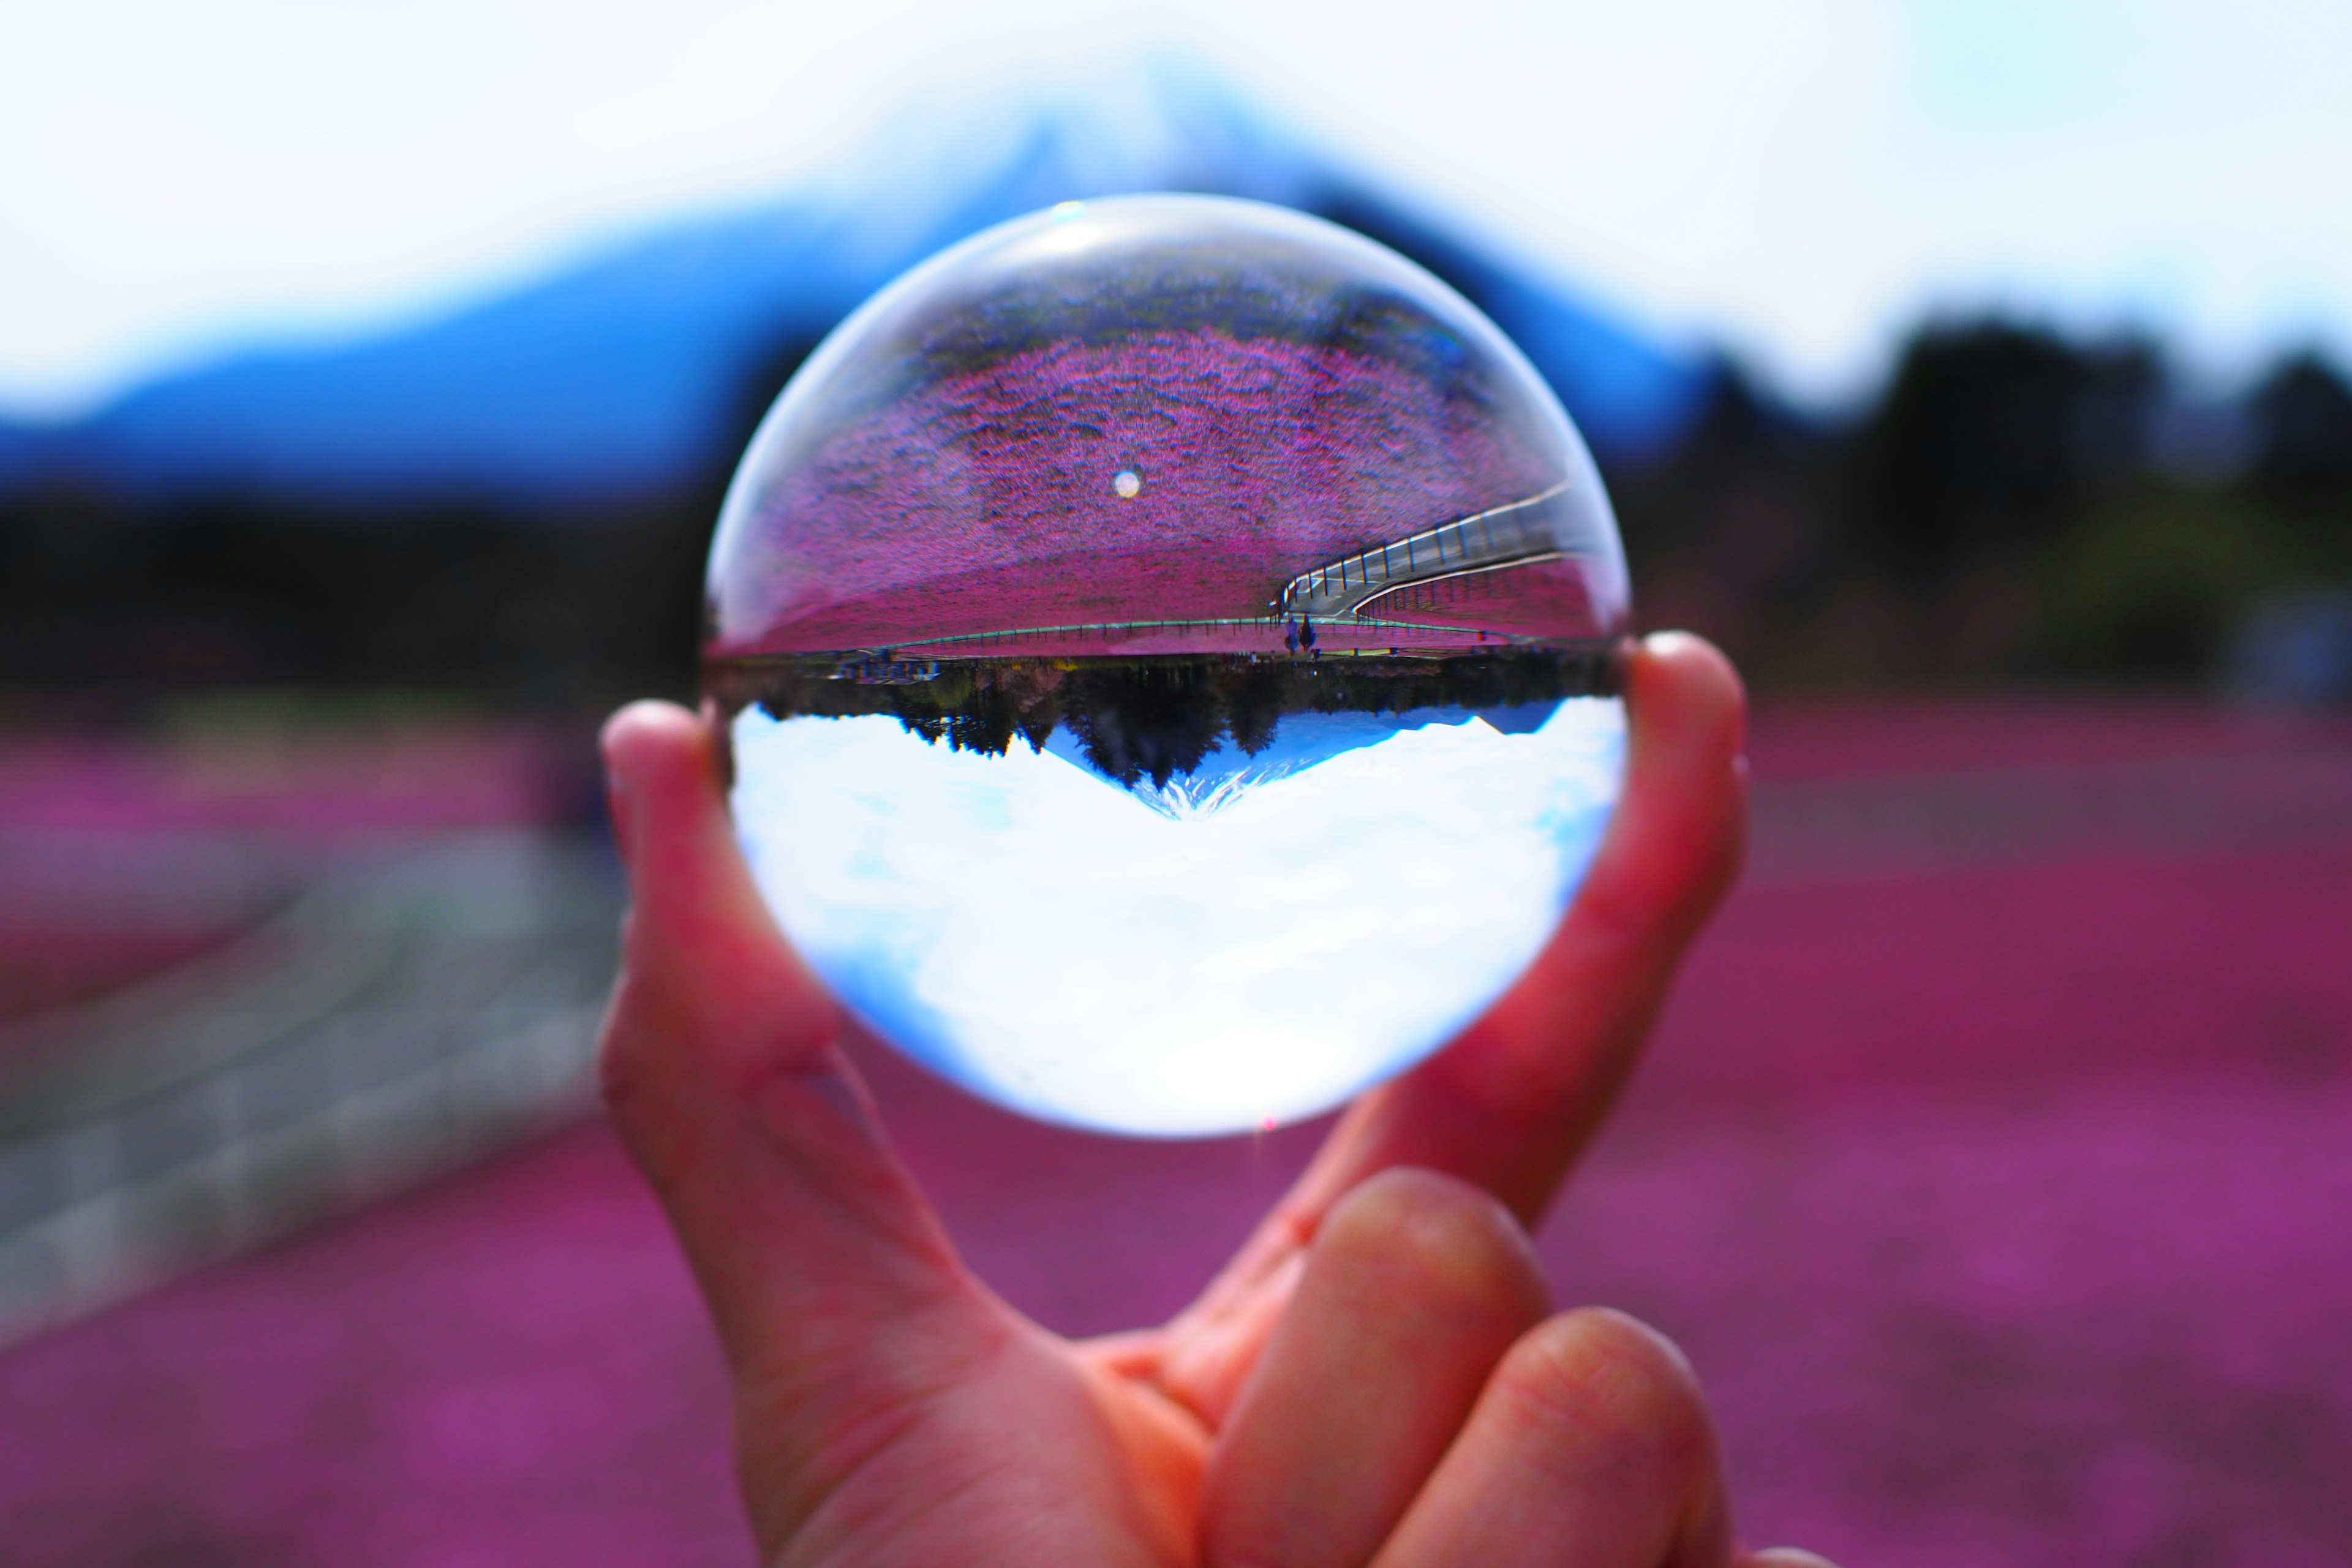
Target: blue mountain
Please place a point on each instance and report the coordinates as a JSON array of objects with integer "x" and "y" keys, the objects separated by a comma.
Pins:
[{"x": 626, "y": 376}]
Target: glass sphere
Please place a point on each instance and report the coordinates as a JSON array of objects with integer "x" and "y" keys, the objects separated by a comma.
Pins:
[{"x": 1167, "y": 647}]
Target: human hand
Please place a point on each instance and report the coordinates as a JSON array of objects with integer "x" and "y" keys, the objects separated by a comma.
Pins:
[{"x": 1373, "y": 1379}]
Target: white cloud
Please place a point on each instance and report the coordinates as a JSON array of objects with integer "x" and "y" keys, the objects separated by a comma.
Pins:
[
  {"x": 1056, "y": 944},
  {"x": 1801, "y": 178}
]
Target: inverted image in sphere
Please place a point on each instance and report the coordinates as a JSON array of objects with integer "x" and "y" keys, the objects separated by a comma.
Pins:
[{"x": 1167, "y": 647}]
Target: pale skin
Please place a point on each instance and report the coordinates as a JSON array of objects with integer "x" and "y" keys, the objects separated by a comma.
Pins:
[{"x": 1377, "y": 1378}]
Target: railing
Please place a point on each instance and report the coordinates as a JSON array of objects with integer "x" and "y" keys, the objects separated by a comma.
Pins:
[
  {"x": 386, "y": 1028},
  {"x": 1270, "y": 627},
  {"x": 1517, "y": 534}
]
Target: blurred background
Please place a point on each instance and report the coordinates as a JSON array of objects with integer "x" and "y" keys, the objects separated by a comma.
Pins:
[{"x": 1976, "y": 374}]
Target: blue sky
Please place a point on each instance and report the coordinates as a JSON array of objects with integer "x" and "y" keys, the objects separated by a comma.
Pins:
[{"x": 1800, "y": 179}]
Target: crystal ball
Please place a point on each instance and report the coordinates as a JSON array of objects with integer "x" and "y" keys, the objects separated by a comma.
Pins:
[{"x": 1166, "y": 648}]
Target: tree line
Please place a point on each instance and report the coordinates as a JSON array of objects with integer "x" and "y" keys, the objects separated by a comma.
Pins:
[
  {"x": 1138, "y": 719},
  {"x": 2015, "y": 503}
]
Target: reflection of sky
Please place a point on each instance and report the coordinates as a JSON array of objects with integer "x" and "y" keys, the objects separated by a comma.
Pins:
[{"x": 1053, "y": 942}]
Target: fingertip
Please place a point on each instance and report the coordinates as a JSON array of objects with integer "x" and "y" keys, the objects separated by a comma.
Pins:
[
  {"x": 1418, "y": 1231},
  {"x": 1684, "y": 677},
  {"x": 650, "y": 742},
  {"x": 661, "y": 769}
]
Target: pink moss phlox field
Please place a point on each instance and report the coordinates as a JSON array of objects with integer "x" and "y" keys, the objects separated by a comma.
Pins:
[
  {"x": 2002, "y": 1207},
  {"x": 1540, "y": 599},
  {"x": 984, "y": 501}
]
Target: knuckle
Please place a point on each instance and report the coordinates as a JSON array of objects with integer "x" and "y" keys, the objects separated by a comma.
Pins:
[
  {"x": 1600, "y": 1383},
  {"x": 1434, "y": 1231}
]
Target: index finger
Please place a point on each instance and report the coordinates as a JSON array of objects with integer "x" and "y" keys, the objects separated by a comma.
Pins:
[{"x": 1514, "y": 1099}]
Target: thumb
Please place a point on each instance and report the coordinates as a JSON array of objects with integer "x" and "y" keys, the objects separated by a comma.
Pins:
[{"x": 837, "y": 1296}]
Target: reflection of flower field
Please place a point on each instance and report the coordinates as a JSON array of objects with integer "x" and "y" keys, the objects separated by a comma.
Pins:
[
  {"x": 986, "y": 501},
  {"x": 1544, "y": 600},
  {"x": 1540, "y": 599},
  {"x": 118, "y": 857}
]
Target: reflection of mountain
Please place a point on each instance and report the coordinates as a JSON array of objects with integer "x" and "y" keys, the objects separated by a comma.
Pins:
[
  {"x": 626, "y": 376},
  {"x": 1163, "y": 718},
  {"x": 1301, "y": 741}
]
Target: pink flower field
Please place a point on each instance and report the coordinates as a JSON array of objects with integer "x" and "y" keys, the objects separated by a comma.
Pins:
[
  {"x": 986, "y": 502},
  {"x": 1990, "y": 1163}
]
